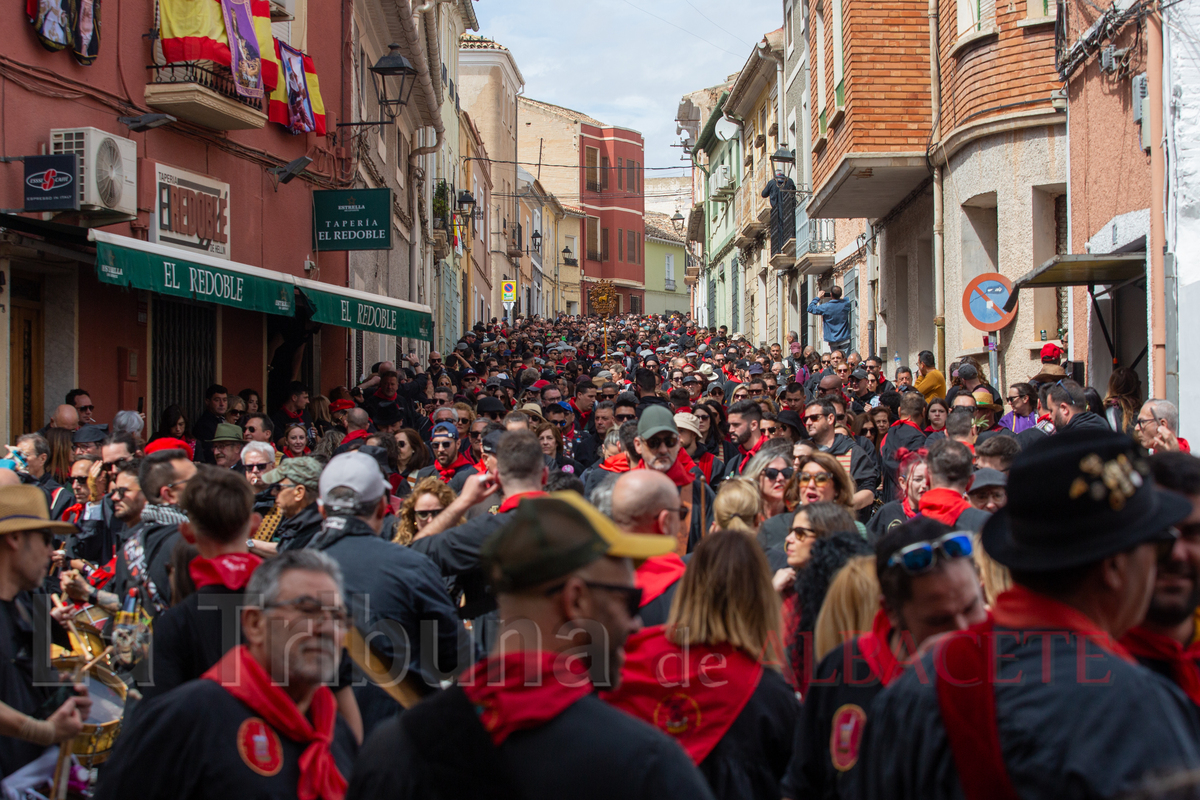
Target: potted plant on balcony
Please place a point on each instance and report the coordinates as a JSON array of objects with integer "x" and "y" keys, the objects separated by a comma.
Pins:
[{"x": 441, "y": 205}]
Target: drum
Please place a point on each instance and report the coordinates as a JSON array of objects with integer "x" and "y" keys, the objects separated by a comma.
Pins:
[
  {"x": 95, "y": 742},
  {"x": 92, "y": 622}
]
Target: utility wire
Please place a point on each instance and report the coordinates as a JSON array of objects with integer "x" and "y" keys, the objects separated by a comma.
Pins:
[
  {"x": 723, "y": 30},
  {"x": 685, "y": 30}
]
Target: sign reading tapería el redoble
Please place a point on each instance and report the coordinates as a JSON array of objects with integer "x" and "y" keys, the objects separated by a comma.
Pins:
[{"x": 352, "y": 219}]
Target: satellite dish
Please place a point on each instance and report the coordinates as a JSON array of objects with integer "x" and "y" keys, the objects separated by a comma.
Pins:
[{"x": 725, "y": 129}]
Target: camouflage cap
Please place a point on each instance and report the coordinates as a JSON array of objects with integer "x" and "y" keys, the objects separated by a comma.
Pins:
[{"x": 303, "y": 471}]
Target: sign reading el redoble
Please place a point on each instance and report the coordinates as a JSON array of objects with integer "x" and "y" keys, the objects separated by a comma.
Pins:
[
  {"x": 190, "y": 211},
  {"x": 352, "y": 219}
]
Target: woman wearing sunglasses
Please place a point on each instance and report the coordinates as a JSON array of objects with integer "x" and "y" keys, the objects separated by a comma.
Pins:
[
  {"x": 725, "y": 614},
  {"x": 428, "y": 499},
  {"x": 770, "y": 470},
  {"x": 823, "y": 536}
]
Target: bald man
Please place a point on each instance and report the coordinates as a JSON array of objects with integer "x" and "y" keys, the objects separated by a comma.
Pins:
[
  {"x": 357, "y": 423},
  {"x": 65, "y": 417},
  {"x": 647, "y": 501}
]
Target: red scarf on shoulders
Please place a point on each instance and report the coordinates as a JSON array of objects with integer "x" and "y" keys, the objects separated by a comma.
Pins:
[
  {"x": 705, "y": 465},
  {"x": 289, "y": 454},
  {"x": 447, "y": 473},
  {"x": 296, "y": 416},
  {"x": 515, "y": 500},
  {"x": 753, "y": 450},
  {"x": 1184, "y": 661},
  {"x": 506, "y": 702},
  {"x": 582, "y": 417},
  {"x": 944, "y": 505},
  {"x": 909, "y": 423},
  {"x": 687, "y": 694},
  {"x": 876, "y": 649},
  {"x": 231, "y": 570},
  {"x": 681, "y": 472},
  {"x": 657, "y": 574},
  {"x": 350, "y": 437},
  {"x": 244, "y": 678},
  {"x": 617, "y": 463}
]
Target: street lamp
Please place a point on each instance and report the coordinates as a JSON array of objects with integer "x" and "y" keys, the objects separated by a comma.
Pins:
[
  {"x": 783, "y": 156},
  {"x": 466, "y": 206},
  {"x": 536, "y": 240},
  {"x": 677, "y": 221},
  {"x": 566, "y": 253},
  {"x": 390, "y": 76}
]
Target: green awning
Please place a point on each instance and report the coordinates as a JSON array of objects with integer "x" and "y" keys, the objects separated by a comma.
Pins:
[
  {"x": 335, "y": 305},
  {"x": 123, "y": 261}
]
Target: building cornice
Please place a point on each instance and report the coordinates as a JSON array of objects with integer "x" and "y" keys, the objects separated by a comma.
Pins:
[{"x": 964, "y": 135}]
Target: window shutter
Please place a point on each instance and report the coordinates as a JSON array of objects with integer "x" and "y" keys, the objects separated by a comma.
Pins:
[
  {"x": 620, "y": 245},
  {"x": 620, "y": 173},
  {"x": 987, "y": 13},
  {"x": 604, "y": 166}
]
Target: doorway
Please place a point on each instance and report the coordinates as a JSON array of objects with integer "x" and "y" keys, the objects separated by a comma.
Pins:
[{"x": 27, "y": 336}]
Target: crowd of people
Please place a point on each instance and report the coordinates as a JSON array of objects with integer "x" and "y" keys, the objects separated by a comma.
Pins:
[{"x": 625, "y": 558}]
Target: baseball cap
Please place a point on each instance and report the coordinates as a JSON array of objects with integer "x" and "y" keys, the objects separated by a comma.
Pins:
[
  {"x": 859, "y": 375},
  {"x": 1051, "y": 352},
  {"x": 551, "y": 537},
  {"x": 986, "y": 478},
  {"x": 967, "y": 371},
  {"x": 303, "y": 471},
  {"x": 356, "y": 471},
  {"x": 539, "y": 384},
  {"x": 686, "y": 421},
  {"x": 491, "y": 442},
  {"x": 656, "y": 419},
  {"x": 444, "y": 429}
]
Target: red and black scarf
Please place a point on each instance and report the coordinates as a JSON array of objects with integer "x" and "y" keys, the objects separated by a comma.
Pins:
[
  {"x": 657, "y": 574},
  {"x": 1183, "y": 661},
  {"x": 244, "y": 678},
  {"x": 231, "y": 570},
  {"x": 448, "y": 473},
  {"x": 508, "y": 702},
  {"x": 681, "y": 473},
  {"x": 944, "y": 505}
]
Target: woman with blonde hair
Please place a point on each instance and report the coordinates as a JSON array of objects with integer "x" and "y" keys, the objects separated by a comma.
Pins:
[
  {"x": 737, "y": 507},
  {"x": 849, "y": 607},
  {"x": 428, "y": 499},
  {"x": 818, "y": 478},
  {"x": 737, "y": 726},
  {"x": 769, "y": 470}
]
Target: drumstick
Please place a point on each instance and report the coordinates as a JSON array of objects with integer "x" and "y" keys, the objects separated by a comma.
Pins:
[
  {"x": 78, "y": 643},
  {"x": 62, "y": 768},
  {"x": 96, "y": 660}
]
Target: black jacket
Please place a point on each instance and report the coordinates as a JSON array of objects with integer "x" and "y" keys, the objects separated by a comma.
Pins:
[
  {"x": 1087, "y": 421},
  {"x": 751, "y": 759},
  {"x": 828, "y": 555},
  {"x": 189, "y": 639},
  {"x": 298, "y": 531},
  {"x": 97, "y": 539},
  {"x": 899, "y": 435},
  {"x": 142, "y": 559}
]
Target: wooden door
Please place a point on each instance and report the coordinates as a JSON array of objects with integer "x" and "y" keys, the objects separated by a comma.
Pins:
[{"x": 26, "y": 337}]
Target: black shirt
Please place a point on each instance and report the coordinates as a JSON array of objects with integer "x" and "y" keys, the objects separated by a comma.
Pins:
[
  {"x": 189, "y": 639},
  {"x": 752, "y": 757},
  {"x": 591, "y": 750},
  {"x": 16, "y": 677},
  {"x": 190, "y": 745}
]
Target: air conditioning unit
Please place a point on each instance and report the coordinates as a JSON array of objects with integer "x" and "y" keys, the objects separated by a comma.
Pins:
[
  {"x": 722, "y": 182},
  {"x": 107, "y": 173}
]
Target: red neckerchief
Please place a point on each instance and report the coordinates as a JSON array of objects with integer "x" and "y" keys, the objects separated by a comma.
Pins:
[
  {"x": 239, "y": 674},
  {"x": 1185, "y": 670},
  {"x": 289, "y": 454},
  {"x": 387, "y": 398},
  {"x": 657, "y": 574},
  {"x": 350, "y": 437},
  {"x": 73, "y": 513},
  {"x": 753, "y": 450},
  {"x": 231, "y": 570},
  {"x": 583, "y": 417},
  {"x": 705, "y": 465},
  {"x": 1043, "y": 418},
  {"x": 1184, "y": 447},
  {"x": 930, "y": 429},
  {"x": 298, "y": 416},
  {"x": 906, "y": 507},
  {"x": 512, "y": 502},
  {"x": 617, "y": 463},
  {"x": 506, "y": 702},
  {"x": 944, "y": 505},
  {"x": 876, "y": 649},
  {"x": 681, "y": 472},
  {"x": 447, "y": 473},
  {"x": 696, "y": 712},
  {"x": 909, "y": 423},
  {"x": 1020, "y": 609}
]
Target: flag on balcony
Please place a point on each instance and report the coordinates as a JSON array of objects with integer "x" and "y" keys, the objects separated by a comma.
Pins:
[
  {"x": 198, "y": 30},
  {"x": 296, "y": 101},
  {"x": 52, "y": 22}
]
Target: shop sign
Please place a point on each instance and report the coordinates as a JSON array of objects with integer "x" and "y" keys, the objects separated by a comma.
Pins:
[
  {"x": 191, "y": 211},
  {"x": 352, "y": 219},
  {"x": 52, "y": 183},
  {"x": 377, "y": 315}
]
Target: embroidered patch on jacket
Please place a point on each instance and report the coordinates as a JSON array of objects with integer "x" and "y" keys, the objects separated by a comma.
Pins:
[
  {"x": 259, "y": 747},
  {"x": 846, "y": 736}
]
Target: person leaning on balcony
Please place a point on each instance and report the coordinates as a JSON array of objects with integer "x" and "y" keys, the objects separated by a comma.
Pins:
[
  {"x": 930, "y": 382},
  {"x": 836, "y": 311}
]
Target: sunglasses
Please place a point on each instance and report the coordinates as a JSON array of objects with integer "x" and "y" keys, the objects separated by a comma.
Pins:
[
  {"x": 275, "y": 488},
  {"x": 476, "y": 435},
  {"x": 625, "y": 417},
  {"x": 428, "y": 513},
  {"x": 804, "y": 533},
  {"x": 85, "y": 408},
  {"x": 77, "y": 480},
  {"x": 109, "y": 466},
  {"x": 254, "y": 467},
  {"x": 608, "y": 396},
  {"x": 669, "y": 439},
  {"x": 815, "y": 417},
  {"x": 119, "y": 492},
  {"x": 815, "y": 478},
  {"x": 312, "y": 609},
  {"x": 771, "y": 431},
  {"x": 772, "y": 474},
  {"x": 702, "y": 417},
  {"x": 631, "y": 594},
  {"x": 442, "y": 444},
  {"x": 920, "y": 557}
]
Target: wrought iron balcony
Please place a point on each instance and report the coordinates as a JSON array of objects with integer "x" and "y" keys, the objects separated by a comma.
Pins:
[{"x": 204, "y": 93}]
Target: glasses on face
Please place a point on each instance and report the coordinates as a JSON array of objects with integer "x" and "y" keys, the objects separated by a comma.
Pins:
[
  {"x": 442, "y": 444},
  {"x": 702, "y": 417},
  {"x": 254, "y": 467},
  {"x": 632, "y": 595},
  {"x": 119, "y": 492},
  {"x": 441, "y": 401},
  {"x": 475, "y": 435},
  {"x": 312, "y": 609},
  {"x": 802, "y": 533},
  {"x": 625, "y": 417},
  {"x": 275, "y": 488},
  {"x": 814, "y": 417},
  {"x": 825, "y": 361},
  {"x": 435, "y": 361},
  {"x": 79, "y": 480},
  {"x": 428, "y": 513},
  {"x": 1140, "y": 422},
  {"x": 770, "y": 430},
  {"x": 668, "y": 439},
  {"x": 112, "y": 466},
  {"x": 818, "y": 479},
  {"x": 1012, "y": 399},
  {"x": 920, "y": 557},
  {"x": 773, "y": 474},
  {"x": 609, "y": 395},
  {"x": 85, "y": 409}
]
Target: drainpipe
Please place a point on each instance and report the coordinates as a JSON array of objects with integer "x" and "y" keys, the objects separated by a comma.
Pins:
[
  {"x": 1157, "y": 363},
  {"x": 939, "y": 265}
]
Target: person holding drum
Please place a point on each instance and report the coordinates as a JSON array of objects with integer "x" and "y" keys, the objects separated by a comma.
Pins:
[{"x": 26, "y": 546}]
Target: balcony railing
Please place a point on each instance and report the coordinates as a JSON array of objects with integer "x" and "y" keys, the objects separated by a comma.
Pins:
[
  {"x": 592, "y": 186},
  {"x": 816, "y": 237},
  {"x": 570, "y": 262},
  {"x": 515, "y": 245},
  {"x": 593, "y": 255},
  {"x": 669, "y": 285},
  {"x": 204, "y": 93}
]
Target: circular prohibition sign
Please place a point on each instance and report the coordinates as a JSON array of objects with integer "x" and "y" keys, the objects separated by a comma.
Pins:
[{"x": 984, "y": 299}]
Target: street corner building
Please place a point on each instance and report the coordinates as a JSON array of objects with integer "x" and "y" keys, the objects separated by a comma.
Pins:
[{"x": 252, "y": 208}]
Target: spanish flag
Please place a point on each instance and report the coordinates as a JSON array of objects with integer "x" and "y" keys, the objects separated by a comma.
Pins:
[
  {"x": 296, "y": 100},
  {"x": 194, "y": 30}
]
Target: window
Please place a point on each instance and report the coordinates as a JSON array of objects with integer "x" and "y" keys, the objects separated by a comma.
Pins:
[
  {"x": 632, "y": 250},
  {"x": 620, "y": 173},
  {"x": 980, "y": 15},
  {"x": 637, "y": 174},
  {"x": 630, "y": 177},
  {"x": 635, "y": 304},
  {"x": 621, "y": 245},
  {"x": 839, "y": 57},
  {"x": 670, "y": 266},
  {"x": 819, "y": 13},
  {"x": 571, "y": 247},
  {"x": 604, "y": 166},
  {"x": 787, "y": 26},
  {"x": 593, "y": 238},
  {"x": 592, "y": 169},
  {"x": 604, "y": 244},
  {"x": 1041, "y": 9}
]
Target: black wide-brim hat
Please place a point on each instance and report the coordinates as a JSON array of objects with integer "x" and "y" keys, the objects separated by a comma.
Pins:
[{"x": 1075, "y": 498}]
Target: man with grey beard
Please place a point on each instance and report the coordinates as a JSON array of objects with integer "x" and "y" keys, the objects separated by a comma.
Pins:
[
  {"x": 661, "y": 450},
  {"x": 261, "y": 722},
  {"x": 1166, "y": 641}
]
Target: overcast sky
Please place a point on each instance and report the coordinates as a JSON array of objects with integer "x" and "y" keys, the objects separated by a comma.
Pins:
[{"x": 615, "y": 61}]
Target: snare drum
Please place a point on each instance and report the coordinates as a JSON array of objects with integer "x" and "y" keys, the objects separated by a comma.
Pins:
[
  {"x": 92, "y": 622},
  {"x": 95, "y": 742}
]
